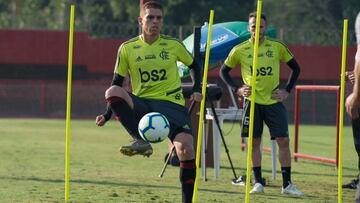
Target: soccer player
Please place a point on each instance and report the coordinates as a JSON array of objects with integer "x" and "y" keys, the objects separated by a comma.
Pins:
[
  {"x": 352, "y": 103},
  {"x": 269, "y": 97},
  {"x": 150, "y": 60}
]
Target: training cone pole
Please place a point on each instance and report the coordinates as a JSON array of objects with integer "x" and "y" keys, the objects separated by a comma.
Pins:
[
  {"x": 252, "y": 105},
  {"x": 341, "y": 117},
  {"x": 68, "y": 102},
  {"x": 202, "y": 106}
]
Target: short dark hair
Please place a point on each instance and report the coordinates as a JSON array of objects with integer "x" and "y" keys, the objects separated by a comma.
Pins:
[
  {"x": 150, "y": 4},
  {"x": 253, "y": 15}
]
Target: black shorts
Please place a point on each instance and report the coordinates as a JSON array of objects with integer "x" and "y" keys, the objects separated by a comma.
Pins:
[
  {"x": 177, "y": 115},
  {"x": 274, "y": 116}
]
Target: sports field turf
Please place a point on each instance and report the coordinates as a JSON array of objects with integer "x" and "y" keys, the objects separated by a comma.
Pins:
[{"x": 32, "y": 166}]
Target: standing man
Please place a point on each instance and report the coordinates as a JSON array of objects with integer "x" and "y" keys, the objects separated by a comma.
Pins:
[
  {"x": 269, "y": 97},
  {"x": 150, "y": 60},
  {"x": 352, "y": 103}
]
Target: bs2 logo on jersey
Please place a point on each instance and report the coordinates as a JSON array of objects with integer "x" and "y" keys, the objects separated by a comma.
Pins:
[{"x": 153, "y": 75}]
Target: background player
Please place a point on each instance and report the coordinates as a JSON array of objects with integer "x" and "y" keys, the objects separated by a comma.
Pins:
[{"x": 268, "y": 100}]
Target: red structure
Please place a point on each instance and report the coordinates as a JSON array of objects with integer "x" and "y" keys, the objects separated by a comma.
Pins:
[
  {"x": 298, "y": 90},
  {"x": 25, "y": 47}
]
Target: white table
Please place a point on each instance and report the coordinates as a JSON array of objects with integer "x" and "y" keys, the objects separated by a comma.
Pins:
[
  {"x": 222, "y": 114},
  {"x": 227, "y": 114}
]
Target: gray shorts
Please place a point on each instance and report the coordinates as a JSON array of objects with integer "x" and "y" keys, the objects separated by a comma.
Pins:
[
  {"x": 177, "y": 115},
  {"x": 274, "y": 116}
]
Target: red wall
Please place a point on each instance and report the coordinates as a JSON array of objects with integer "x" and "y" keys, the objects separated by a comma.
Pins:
[
  {"x": 51, "y": 47},
  {"x": 322, "y": 62},
  {"x": 316, "y": 62}
]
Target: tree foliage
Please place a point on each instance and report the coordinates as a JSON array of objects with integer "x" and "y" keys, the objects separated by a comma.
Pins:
[
  {"x": 309, "y": 14},
  {"x": 305, "y": 15}
]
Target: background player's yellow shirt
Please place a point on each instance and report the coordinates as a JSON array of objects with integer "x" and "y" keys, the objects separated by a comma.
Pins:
[
  {"x": 271, "y": 53},
  {"x": 152, "y": 68}
]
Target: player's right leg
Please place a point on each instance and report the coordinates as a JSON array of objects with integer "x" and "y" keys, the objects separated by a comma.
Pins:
[
  {"x": 256, "y": 151},
  {"x": 128, "y": 111}
]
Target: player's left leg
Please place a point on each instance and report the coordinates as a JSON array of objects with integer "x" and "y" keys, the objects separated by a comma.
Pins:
[
  {"x": 129, "y": 109},
  {"x": 184, "y": 146},
  {"x": 276, "y": 120}
]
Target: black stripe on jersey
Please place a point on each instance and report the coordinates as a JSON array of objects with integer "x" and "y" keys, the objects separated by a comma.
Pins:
[
  {"x": 242, "y": 43},
  {"x": 173, "y": 91},
  {"x": 131, "y": 40},
  {"x": 167, "y": 37},
  {"x": 280, "y": 42}
]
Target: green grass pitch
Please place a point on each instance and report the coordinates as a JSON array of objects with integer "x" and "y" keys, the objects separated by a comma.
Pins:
[{"x": 32, "y": 166}]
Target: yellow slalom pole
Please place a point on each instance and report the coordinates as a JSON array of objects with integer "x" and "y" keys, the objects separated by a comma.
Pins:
[
  {"x": 68, "y": 103},
  {"x": 252, "y": 104},
  {"x": 341, "y": 118},
  {"x": 202, "y": 106}
]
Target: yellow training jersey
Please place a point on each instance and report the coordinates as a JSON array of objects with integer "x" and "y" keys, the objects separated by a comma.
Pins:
[
  {"x": 271, "y": 53},
  {"x": 152, "y": 67}
]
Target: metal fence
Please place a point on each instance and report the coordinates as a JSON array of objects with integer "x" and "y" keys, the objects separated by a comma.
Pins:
[
  {"x": 290, "y": 35},
  {"x": 128, "y": 30}
]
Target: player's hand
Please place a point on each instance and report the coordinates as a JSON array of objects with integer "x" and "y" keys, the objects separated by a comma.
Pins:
[
  {"x": 100, "y": 120},
  {"x": 244, "y": 91},
  {"x": 352, "y": 105},
  {"x": 196, "y": 96},
  {"x": 279, "y": 95},
  {"x": 350, "y": 76}
]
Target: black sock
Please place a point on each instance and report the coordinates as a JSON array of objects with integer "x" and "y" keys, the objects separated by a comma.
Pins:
[
  {"x": 357, "y": 148},
  {"x": 286, "y": 174},
  {"x": 187, "y": 179},
  {"x": 125, "y": 115},
  {"x": 356, "y": 134},
  {"x": 257, "y": 174}
]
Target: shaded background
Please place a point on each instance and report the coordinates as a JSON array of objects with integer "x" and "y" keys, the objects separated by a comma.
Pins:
[{"x": 34, "y": 45}]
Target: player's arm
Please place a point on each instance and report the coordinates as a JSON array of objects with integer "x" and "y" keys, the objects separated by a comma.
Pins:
[
  {"x": 294, "y": 66},
  {"x": 225, "y": 76},
  {"x": 350, "y": 77},
  {"x": 118, "y": 81},
  {"x": 356, "y": 90},
  {"x": 195, "y": 76},
  {"x": 279, "y": 94},
  {"x": 239, "y": 89},
  {"x": 103, "y": 118}
]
